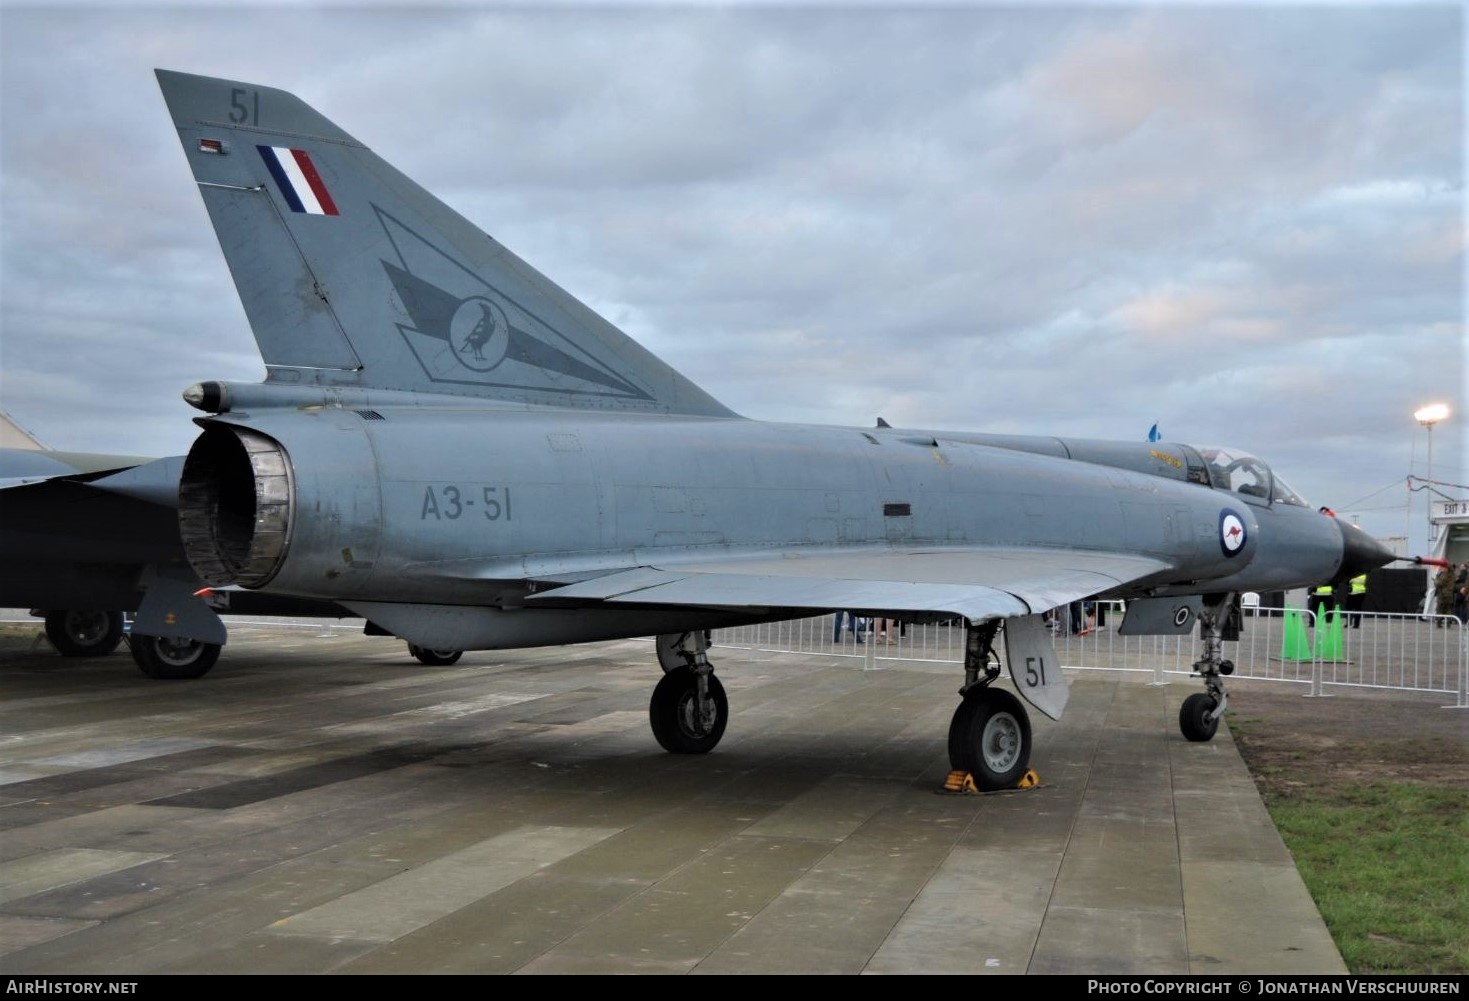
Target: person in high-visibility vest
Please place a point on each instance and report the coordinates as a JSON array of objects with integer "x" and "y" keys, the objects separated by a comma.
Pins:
[
  {"x": 1355, "y": 598},
  {"x": 1319, "y": 598}
]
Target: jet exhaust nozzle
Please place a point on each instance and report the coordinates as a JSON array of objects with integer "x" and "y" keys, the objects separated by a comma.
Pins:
[{"x": 235, "y": 499}]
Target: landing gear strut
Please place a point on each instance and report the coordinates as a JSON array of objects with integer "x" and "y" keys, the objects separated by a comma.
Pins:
[
  {"x": 989, "y": 736},
  {"x": 689, "y": 710},
  {"x": 1199, "y": 716}
]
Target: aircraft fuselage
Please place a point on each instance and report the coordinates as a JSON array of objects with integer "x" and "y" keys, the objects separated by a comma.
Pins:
[{"x": 465, "y": 506}]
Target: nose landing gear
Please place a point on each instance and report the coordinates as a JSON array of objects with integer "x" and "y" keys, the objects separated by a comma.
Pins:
[
  {"x": 1198, "y": 717},
  {"x": 689, "y": 710}
]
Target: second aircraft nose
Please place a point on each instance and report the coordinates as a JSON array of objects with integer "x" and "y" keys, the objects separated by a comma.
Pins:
[{"x": 1360, "y": 552}]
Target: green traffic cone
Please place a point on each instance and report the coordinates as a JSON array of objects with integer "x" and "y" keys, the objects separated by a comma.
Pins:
[
  {"x": 1293, "y": 642},
  {"x": 1329, "y": 637}
]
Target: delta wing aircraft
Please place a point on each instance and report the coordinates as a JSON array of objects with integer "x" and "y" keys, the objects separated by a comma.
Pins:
[
  {"x": 457, "y": 449},
  {"x": 85, "y": 538}
]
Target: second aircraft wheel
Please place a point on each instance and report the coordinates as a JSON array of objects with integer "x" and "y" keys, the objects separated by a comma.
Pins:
[
  {"x": 435, "y": 658},
  {"x": 76, "y": 633},
  {"x": 989, "y": 737},
  {"x": 680, "y": 724}
]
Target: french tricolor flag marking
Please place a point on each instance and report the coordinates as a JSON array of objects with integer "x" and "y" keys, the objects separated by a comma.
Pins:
[{"x": 301, "y": 186}]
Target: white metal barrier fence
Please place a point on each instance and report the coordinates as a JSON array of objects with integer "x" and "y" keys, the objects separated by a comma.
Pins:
[
  {"x": 1367, "y": 649},
  {"x": 1360, "y": 649}
]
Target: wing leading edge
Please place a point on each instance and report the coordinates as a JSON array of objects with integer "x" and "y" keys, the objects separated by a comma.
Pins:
[{"x": 977, "y": 584}]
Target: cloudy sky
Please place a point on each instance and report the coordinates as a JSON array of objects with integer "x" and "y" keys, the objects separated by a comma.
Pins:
[{"x": 1242, "y": 222}]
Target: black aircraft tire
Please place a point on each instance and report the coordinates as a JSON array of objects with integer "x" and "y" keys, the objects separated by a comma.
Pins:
[
  {"x": 989, "y": 737},
  {"x": 959, "y": 734},
  {"x": 673, "y": 713},
  {"x": 173, "y": 660},
  {"x": 1193, "y": 717},
  {"x": 84, "y": 633},
  {"x": 435, "y": 658}
]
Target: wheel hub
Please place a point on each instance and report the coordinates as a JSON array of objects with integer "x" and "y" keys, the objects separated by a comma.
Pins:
[
  {"x": 176, "y": 651},
  {"x": 1001, "y": 742},
  {"x": 696, "y": 716},
  {"x": 86, "y": 627}
]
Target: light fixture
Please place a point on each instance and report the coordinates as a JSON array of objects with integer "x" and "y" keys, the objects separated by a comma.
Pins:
[{"x": 1429, "y": 416}]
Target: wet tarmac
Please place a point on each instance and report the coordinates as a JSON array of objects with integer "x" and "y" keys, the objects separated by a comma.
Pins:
[{"x": 325, "y": 804}]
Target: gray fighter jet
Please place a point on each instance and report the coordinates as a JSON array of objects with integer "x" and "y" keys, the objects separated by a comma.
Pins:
[
  {"x": 86, "y": 539},
  {"x": 455, "y": 448},
  {"x": 83, "y": 537}
]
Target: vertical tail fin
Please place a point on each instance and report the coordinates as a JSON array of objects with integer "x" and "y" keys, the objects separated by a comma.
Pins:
[{"x": 351, "y": 274}]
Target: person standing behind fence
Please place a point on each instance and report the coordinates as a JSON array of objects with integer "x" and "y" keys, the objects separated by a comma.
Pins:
[
  {"x": 1319, "y": 599},
  {"x": 1355, "y": 599},
  {"x": 852, "y": 621},
  {"x": 1443, "y": 596},
  {"x": 1461, "y": 592}
]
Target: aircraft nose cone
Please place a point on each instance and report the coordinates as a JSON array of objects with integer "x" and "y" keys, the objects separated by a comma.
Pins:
[{"x": 1360, "y": 552}]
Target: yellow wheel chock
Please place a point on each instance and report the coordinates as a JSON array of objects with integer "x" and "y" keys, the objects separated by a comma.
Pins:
[
  {"x": 959, "y": 782},
  {"x": 962, "y": 782}
]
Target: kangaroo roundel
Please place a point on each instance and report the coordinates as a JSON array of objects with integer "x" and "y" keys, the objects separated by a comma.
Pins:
[{"x": 1232, "y": 535}]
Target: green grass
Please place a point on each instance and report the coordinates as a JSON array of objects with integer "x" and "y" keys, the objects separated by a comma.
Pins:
[{"x": 1388, "y": 867}]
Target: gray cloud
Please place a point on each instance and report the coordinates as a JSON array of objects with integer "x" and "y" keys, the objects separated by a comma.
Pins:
[{"x": 1243, "y": 222}]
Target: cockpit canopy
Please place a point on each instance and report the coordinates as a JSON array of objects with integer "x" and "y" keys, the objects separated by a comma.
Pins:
[
  {"x": 1244, "y": 474},
  {"x": 1209, "y": 465}
]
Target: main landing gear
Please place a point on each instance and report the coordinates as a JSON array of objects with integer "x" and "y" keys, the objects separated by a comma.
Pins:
[
  {"x": 989, "y": 736},
  {"x": 77, "y": 633},
  {"x": 170, "y": 659},
  {"x": 1199, "y": 716},
  {"x": 689, "y": 710},
  {"x": 434, "y": 658},
  {"x": 84, "y": 633}
]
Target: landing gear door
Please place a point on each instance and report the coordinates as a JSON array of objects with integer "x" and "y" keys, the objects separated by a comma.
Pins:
[
  {"x": 170, "y": 608},
  {"x": 1160, "y": 616},
  {"x": 1033, "y": 664}
]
